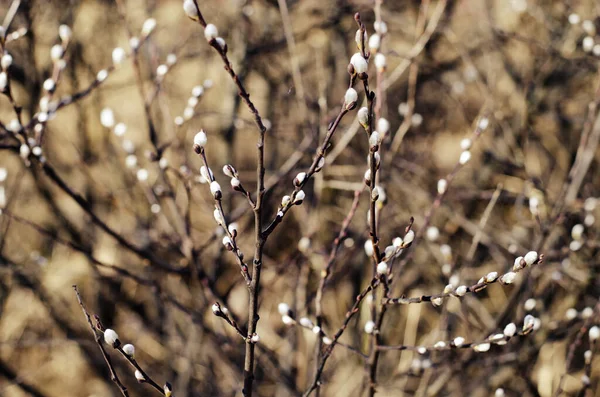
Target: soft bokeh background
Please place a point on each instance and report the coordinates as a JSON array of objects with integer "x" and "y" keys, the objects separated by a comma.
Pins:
[{"x": 521, "y": 62}]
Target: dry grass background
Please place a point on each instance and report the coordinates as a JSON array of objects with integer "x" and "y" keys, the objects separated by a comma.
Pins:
[{"x": 520, "y": 61}]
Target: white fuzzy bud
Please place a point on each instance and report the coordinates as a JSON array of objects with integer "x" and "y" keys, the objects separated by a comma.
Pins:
[
  {"x": 442, "y": 185},
  {"x": 189, "y": 7},
  {"x": 465, "y": 156},
  {"x": 491, "y": 277},
  {"x": 587, "y": 43},
  {"x": 111, "y": 338},
  {"x": 49, "y": 84},
  {"x": 382, "y": 268},
  {"x": 530, "y": 258},
  {"x": 3, "y": 81},
  {"x": 327, "y": 340},
  {"x": 374, "y": 43},
  {"x": 482, "y": 347},
  {"x": 350, "y": 97},
  {"x": 380, "y": 27},
  {"x": 359, "y": 63},
  {"x": 287, "y": 320},
  {"x": 363, "y": 116},
  {"x": 64, "y": 32},
  {"x": 283, "y": 309},
  {"x": 409, "y": 237},
  {"x": 129, "y": 349},
  {"x": 299, "y": 197},
  {"x": 101, "y": 75},
  {"x": 200, "y": 138},
  {"x": 148, "y": 26},
  {"x": 6, "y": 61},
  {"x": 306, "y": 323},
  {"x": 211, "y": 32},
  {"x": 465, "y": 144},
  {"x": 285, "y": 200},
  {"x": 215, "y": 189},
  {"x": 120, "y": 129},
  {"x": 587, "y": 312},
  {"x": 432, "y": 233},
  {"x": 374, "y": 140},
  {"x": 299, "y": 179},
  {"x": 437, "y": 301},
  {"x": 142, "y": 175},
  {"x": 510, "y": 330},
  {"x": 461, "y": 291},
  {"x": 56, "y": 52},
  {"x": 458, "y": 341},
  {"x": 24, "y": 151},
  {"x": 218, "y": 217},
  {"x": 139, "y": 376},
  {"x": 483, "y": 123},
  {"x": 594, "y": 333},
  {"x": 383, "y": 126},
  {"x": 369, "y": 247},
  {"x": 577, "y": 232},
  {"x": 528, "y": 322},
  {"x": 369, "y": 327},
  {"x": 508, "y": 278},
  {"x": 380, "y": 62},
  {"x": 519, "y": 264},
  {"x": 571, "y": 313},
  {"x": 118, "y": 55},
  {"x": 574, "y": 19},
  {"x": 235, "y": 183}
]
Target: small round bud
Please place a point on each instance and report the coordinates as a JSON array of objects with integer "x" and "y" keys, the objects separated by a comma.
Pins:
[
  {"x": 161, "y": 70},
  {"x": 283, "y": 308},
  {"x": 56, "y": 52},
  {"x": 129, "y": 349},
  {"x": 287, "y": 320},
  {"x": 461, "y": 291},
  {"x": 491, "y": 277},
  {"x": 465, "y": 156},
  {"x": 101, "y": 75},
  {"x": 482, "y": 347},
  {"x": 442, "y": 185},
  {"x": 218, "y": 217},
  {"x": 299, "y": 179},
  {"x": 200, "y": 139},
  {"x": 363, "y": 116},
  {"x": 306, "y": 323},
  {"x": 383, "y": 126},
  {"x": 380, "y": 27},
  {"x": 118, "y": 55},
  {"x": 458, "y": 341},
  {"x": 382, "y": 268},
  {"x": 359, "y": 63},
  {"x": 142, "y": 175},
  {"x": 510, "y": 330},
  {"x": 64, "y": 32},
  {"x": 189, "y": 7},
  {"x": 380, "y": 62},
  {"x": 111, "y": 338},
  {"x": 350, "y": 98},
  {"x": 530, "y": 258},
  {"x": 211, "y": 32},
  {"x": 148, "y": 26},
  {"x": 409, "y": 237},
  {"x": 120, "y": 129},
  {"x": 215, "y": 190},
  {"x": 6, "y": 61},
  {"x": 369, "y": 247},
  {"x": 432, "y": 233},
  {"x": 465, "y": 144},
  {"x": 139, "y": 376},
  {"x": 594, "y": 333},
  {"x": 577, "y": 232},
  {"x": 508, "y": 278},
  {"x": 299, "y": 197},
  {"x": 374, "y": 140},
  {"x": 49, "y": 85},
  {"x": 374, "y": 43}
]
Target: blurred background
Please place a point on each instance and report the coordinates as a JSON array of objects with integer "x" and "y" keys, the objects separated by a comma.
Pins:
[{"x": 150, "y": 263}]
